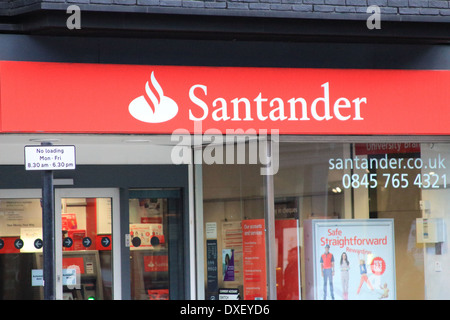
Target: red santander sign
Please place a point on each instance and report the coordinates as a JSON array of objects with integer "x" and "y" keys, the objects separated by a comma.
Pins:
[{"x": 142, "y": 99}]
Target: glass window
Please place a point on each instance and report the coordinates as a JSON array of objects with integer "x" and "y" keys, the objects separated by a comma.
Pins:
[
  {"x": 234, "y": 228},
  {"x": 372, "y": 218},
  {"x": 352, "y": 221},
  {"x": 20, "y": 227}
]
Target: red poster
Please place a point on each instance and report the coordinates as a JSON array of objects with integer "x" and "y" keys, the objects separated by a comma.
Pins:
[
  {"x": 76, "y": 261},
  {"x": 69, "y": 221},
  {"x": 288, "y": 270},
  {"x": 254, "y": 256}
]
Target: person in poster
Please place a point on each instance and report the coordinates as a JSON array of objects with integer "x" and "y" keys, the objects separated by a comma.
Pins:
[
  {"x": 327, "y": 266},
  {"x": 385, "y": 293},
  {"x": 363, "y": 272},
  {"x": 345, "y": 267},
  {"x": 228, "y": 264}
]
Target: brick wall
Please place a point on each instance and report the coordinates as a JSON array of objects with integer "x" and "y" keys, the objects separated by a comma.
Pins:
[{"x": 412, "y": 10}]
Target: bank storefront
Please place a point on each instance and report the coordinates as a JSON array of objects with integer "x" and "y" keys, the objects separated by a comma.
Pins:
[{"x": 196, "y": 182}]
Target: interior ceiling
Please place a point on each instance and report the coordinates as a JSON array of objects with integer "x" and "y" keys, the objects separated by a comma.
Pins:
[
  {"x": 119, "y": 139},
  {"x": 104, "y": 148},
  {"x": 94, "y": 148}
]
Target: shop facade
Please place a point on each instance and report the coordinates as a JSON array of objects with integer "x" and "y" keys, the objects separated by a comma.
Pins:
[{"x": 232, "y": 167}]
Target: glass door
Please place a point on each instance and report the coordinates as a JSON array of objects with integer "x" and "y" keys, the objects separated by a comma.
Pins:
[
  {"x": 88, "y": 236},
  {"x": 157, "y": 244}
]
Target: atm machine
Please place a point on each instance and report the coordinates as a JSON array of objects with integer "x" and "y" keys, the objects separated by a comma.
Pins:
[{"x": 82, "y": 278}]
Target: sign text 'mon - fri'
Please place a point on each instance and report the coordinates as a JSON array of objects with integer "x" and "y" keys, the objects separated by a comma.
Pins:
[{"x": 49, "y": 157}]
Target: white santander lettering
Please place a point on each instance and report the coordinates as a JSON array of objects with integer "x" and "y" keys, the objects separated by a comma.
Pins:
[
  {"x": 326, "y": 105},
  {"x": 198, "y": 102},
  {"x": 292, "y": 103},
  {"x": 338, "y": 105},
  {"x": 279, "y": 110},
  {"x": 358, "y": 102},
  {"x": 222, "y": 109},
  {"x": 236, "y": 109},
  {"x": 259, "y": 100},
  {"x": 276, "y": 109}
]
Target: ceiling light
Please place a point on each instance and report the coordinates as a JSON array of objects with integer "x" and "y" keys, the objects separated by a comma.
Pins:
[
  {"x": 137, "y": 141},
  {"x": 45, "y": 140}
]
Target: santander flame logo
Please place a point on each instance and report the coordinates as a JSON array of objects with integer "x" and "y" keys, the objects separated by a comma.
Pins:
[{"x": 153, "y": 107}]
